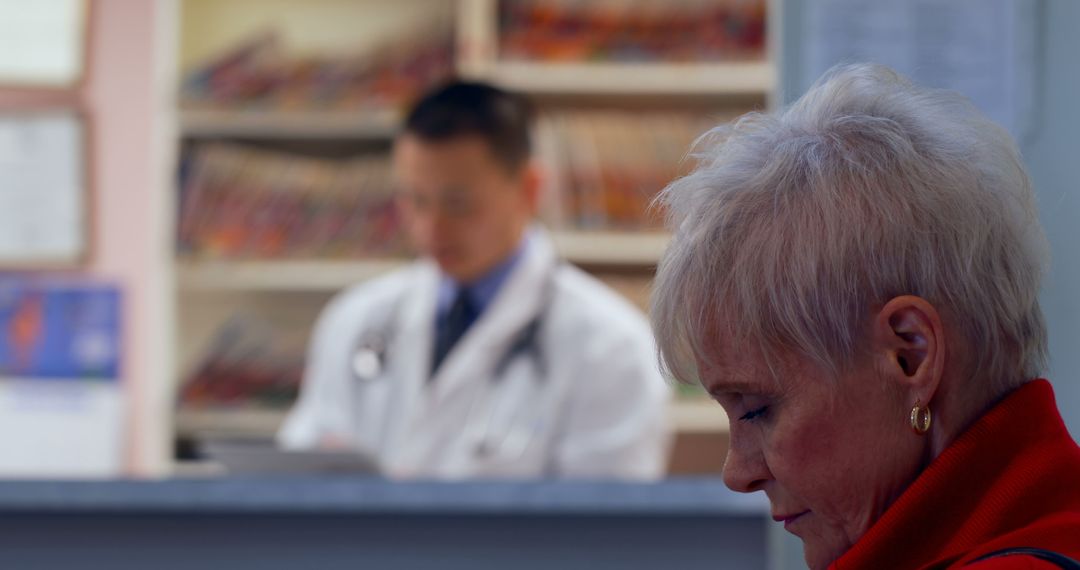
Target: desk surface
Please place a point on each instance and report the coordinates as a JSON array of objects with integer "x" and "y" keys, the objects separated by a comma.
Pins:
[
  {"x": 705, "y": 497},
  {"x": 284, "y": 524}
]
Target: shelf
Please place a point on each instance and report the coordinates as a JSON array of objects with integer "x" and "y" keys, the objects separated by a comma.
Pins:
[
  {"x": 280, "y": 275},
  {"x": 698, "y": 415},
  {"x": 240, "y": 422},
  {"x": 611, "y": 248},
  {"x": 289, "y": 124},
  {"x": 687, "y": 416},
  {"x": 585, "y": 247},
  {"x": 736, "y": 78}
]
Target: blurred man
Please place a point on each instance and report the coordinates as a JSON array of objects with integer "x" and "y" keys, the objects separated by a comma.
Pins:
[{"x": 488, "y": 357}]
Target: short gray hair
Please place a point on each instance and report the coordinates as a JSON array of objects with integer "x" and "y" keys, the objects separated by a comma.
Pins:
[{"x": 794, "y": 225}]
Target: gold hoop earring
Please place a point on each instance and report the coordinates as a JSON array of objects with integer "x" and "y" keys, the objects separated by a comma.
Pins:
[{"x": 920, "y": 418}]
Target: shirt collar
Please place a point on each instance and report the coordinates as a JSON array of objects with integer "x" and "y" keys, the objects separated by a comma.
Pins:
[{"x": 483, "y": 290}]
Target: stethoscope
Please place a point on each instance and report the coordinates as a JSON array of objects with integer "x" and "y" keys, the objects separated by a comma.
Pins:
[
  {"x": 369, "y": 359},
  {"x": 371, "y": 356}
]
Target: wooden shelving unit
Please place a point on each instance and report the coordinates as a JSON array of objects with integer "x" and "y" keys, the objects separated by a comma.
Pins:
[{"x": 205, "y": 290}]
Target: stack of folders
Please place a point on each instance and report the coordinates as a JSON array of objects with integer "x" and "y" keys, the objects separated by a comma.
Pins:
[
  {"x": 245, "y": 203},
  {"x": 260, "y": 74},
  {"x": 249, "y": 364},
  {"x": 606, "y": 167},
  {"x": 632, "y": 30}
]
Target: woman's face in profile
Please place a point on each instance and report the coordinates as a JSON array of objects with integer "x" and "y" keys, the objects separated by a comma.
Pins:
[{"x": 831, "y": 453}]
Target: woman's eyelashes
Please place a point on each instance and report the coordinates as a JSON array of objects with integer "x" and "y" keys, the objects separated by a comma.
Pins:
[{"x": 754, "y": 414}]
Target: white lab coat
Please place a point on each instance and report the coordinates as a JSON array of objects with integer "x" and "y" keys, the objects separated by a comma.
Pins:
[{"x": 598, "y": 411}]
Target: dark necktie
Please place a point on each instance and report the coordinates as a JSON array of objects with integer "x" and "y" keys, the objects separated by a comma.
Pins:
[{"x": 452, "y": 327}]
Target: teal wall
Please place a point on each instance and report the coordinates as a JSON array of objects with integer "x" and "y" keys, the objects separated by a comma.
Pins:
[
  {"x": 1052, "y": 153},
  {"x": 1051, "y": 149}
]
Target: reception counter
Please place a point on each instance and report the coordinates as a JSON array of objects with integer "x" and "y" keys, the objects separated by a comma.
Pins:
[{"x": 371, "y": 523}]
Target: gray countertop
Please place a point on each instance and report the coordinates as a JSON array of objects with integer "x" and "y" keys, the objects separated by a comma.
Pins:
[{"x": 687, "y": 497}]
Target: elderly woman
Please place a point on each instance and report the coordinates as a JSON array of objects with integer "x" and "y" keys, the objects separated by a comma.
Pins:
[{"x": 855, "y": 280}]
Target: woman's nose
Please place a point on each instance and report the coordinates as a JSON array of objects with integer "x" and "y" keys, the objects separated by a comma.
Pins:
[{"x": 745, "y": 470}]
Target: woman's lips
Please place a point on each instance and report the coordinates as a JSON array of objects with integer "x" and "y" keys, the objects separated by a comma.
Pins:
[{"x": 788, "y": 519}]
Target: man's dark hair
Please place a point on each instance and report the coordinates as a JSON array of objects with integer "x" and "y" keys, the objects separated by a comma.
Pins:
[{"x": 502, "y": 119}]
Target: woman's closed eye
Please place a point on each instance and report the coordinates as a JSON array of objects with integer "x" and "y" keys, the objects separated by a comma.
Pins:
[{"x": 754, "y": 414}]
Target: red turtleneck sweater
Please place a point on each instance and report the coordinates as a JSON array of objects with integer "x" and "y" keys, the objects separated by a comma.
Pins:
[{"x": 1012, "y": 479}]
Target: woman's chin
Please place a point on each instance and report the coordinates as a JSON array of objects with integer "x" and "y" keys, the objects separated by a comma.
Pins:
[
  {"x": 815, "y": 561},
  {"x": 819, "y": 554}
]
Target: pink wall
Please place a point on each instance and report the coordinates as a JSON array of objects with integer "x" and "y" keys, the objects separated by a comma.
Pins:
[{"x": 119, "y": 97}]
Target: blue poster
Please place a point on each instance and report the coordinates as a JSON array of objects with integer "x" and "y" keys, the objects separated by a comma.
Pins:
[{"x": 59, "y": 330}]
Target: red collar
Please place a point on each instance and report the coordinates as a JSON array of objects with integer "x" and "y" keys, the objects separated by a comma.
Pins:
[{"x": 1014, "y": 470}]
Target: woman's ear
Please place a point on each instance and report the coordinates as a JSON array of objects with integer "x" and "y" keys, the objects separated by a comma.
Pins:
[{"x": 909, "y": 343}]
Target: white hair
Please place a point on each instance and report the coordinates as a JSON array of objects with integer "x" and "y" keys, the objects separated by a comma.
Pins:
[{"x": 795, "y": 225}]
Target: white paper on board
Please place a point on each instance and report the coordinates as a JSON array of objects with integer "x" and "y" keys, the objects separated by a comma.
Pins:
[
  {"x": 41, "y": 42},
  {"x": 42, "y": 188}
]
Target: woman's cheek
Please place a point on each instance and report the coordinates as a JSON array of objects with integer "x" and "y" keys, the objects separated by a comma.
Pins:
[{"x": 796, "y": 451}]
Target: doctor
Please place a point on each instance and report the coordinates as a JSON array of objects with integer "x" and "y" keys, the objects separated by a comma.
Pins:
[{"x": 488, "y": 357}]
